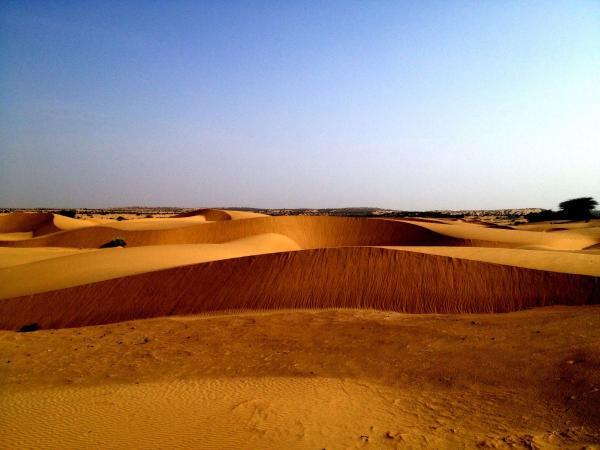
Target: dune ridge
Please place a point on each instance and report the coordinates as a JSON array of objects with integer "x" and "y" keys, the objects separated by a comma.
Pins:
[
  {"x": 39, "y": 271},
  {"x": 40, "y": 224},
  {"x": 22, "y": 221},
  {"x": 308, "y": 232},
  {"x": 476, "y": 235},
  {"x": 581, "y": 262},
  {"x": 347, "y": 277}
]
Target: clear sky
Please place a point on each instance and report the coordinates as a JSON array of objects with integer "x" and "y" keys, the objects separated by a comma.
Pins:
[{"x": 409, "y": 105}]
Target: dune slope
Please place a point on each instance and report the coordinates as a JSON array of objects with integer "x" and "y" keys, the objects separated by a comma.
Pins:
[
  {"x": 348, "y": 277},
  {"x": 62, "y": 268},
  {"x": 582, "y": 263},
  {"x": 486, "y": 236},
  {"x": 308, "y": 232}
]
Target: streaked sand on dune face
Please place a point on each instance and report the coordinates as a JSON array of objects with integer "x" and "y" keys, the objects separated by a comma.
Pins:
[
  {"x": 346, "y": 277},
  {"x": 300, "y": 343},
  {"x": 288, "y": 262}
]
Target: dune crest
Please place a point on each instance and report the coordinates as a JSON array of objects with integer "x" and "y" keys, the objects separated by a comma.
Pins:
[{"x": 349, "y": 277}]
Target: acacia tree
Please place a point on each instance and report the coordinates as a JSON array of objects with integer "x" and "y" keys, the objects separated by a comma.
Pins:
[{"x": 578, "y": 208}]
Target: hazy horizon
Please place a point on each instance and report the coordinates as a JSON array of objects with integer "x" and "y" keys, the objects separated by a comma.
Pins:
[{"x": 408, "y": 106}]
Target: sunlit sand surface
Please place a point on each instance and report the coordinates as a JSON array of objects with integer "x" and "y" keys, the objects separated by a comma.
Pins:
[{"x": 223, "y": 329}]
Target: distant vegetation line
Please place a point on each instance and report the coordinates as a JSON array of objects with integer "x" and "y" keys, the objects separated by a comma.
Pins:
[{"x": 575, "y": 209}]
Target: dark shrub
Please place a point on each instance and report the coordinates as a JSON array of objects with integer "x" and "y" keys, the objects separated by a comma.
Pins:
[
  {"x": 72, "y": 213},
  {"x": 120, "y": 218},
  {"x": 29, "y": 327},
  {"x": 543, "y": 216},
  {"x": 116, "y": 242}
]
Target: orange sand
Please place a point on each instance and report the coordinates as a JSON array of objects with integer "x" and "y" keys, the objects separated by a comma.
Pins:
[{"x": 336, "y": 363}]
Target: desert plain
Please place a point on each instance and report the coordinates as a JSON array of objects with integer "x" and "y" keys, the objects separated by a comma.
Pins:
[{"x": 218, "y": 329}]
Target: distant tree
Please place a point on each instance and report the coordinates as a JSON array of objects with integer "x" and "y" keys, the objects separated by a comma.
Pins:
[
  {"x": 578, "y": 208},
  {"x": 68, "y": 213}
]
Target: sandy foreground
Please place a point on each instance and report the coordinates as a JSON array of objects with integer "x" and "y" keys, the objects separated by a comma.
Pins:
[
  {"x": 308, "y": 379},
  {"x": 253, "y": 332}
]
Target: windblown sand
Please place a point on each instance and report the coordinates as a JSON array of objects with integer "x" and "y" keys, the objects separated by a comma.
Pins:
[{"x": 218, "y": 329}]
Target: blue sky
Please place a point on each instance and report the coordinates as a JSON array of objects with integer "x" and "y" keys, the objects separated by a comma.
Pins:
[{"x": 407, "y": 105}]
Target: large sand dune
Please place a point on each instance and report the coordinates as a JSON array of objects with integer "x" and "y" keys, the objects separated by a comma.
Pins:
[
  {"x": 62, "y": 279},
  {"x": 348, "y": 277},
  {"x": 308, "y": 232},
  {"x": 21, "y": 225},
  {"x": 486, "y": 236},
  {"x": 78, "y": 267}
]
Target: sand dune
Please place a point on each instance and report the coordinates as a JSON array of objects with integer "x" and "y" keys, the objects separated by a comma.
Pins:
[
  {"x": 308, "y": 232},
  {"x": 16, "y": 236},
  {"x": 582, "y": 263},
  {"x": 39, "y": 224},
  {"x": 559, "y": 224},
  {"x": 61, "y": 268},
  {"x": 20, "y": 225},
  {"x": 351, "y": 277},
  {"x": 476, "y": 235},
  {"x": 21, "y": 221},
  {"x": 216, "y": 215},
  {"x": 15, "y": 256},
  {"x": 311, "y": 232},
  {"x": 258, "y": 263}
]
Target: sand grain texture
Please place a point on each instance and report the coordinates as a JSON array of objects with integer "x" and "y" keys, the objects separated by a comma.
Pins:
[{"x": 308, "y": 379}]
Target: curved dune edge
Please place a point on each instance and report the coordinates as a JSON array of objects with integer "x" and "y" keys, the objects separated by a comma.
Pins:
[
  {"x": 60, "y": 269},
  {"x": 39, "y": 224},
  {"x": 16, "y": 236},
  {"x": 216, "y": 215},
  {"x": 18, "y": 225},
  {"x": 20, "y": 221},
  {"x": 485, "y": 236},
  {"x": 308, "y": 232},
  {"x": 25, "y": 271},
  {"x": 16, "y": 256},
  {"x": 352, "y": 277},
  {"x": 579, "y": 263},
  {"x": 28, "y": 225}
]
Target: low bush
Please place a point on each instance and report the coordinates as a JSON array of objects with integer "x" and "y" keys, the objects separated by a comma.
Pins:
[
  {"x": 116, "y": 242},
  {"x": 72, "y": 213},
  {"x": 29, "y": 327}
]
